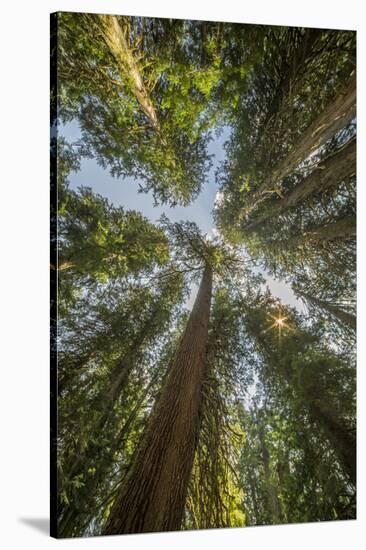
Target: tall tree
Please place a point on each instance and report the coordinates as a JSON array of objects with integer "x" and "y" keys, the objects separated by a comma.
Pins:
[
  {"x": 154, "y": 492},
  {"x": 337, "y": 310},
  {"x": 304, "y": 477},
  {"x": 330, "y": 172},
  {"x": 143, "y": 104},
  {"x": 319, "y": 378},
  {"x": 153, "y": 495},
  {"x": 215, "y": 495},
  {"x": 105, "y": 375},
  {"x": 296, "y": 110},
  {"x": 338, "y": 114}
]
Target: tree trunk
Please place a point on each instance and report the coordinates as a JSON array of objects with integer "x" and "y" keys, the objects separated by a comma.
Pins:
[
  {"x": 273, "y": 502},
  {"x": 253, "y": 496},
  {"x": 104, "y": 404},
  {"x": 337, "y": 114},
  {"x": 343, "y": 440},
  {"x": 120, "y": 374},
  {"x": 342, "y": 229},
  {"x": 330, "y": 172},
  {"x": 90, "y": 507},
  {"x": 153, "y": 495},
  {"x": 116, "y": 41},
  {"x": 342, "y": 315}
]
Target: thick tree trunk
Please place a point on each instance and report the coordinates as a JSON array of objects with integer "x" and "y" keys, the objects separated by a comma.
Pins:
[
  {"x": 336, "y": 115},
  {"x": 343, "y": 440},
  {"x": 153, "y": 495},
  {"x": 341, "y": 230},
  {"x": 88, "y": 508},
  {"x": 342, "y": 315},
  {"x": 338, "y": 167},
  {"x": 116, "y": 41},
  {"x": 334, "y": 169}
]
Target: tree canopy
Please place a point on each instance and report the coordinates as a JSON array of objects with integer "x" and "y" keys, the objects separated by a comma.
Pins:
[{"x": 240, "y": 409}]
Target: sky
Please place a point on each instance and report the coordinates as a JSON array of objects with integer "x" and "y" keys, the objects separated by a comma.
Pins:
[{"x": 124, "y": 192}]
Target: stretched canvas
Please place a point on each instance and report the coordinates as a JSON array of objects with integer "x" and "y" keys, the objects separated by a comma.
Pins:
[{"x": 203, "y": 274}]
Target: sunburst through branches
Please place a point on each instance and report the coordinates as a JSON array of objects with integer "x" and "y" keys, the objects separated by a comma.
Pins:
[{"x": 279, "y": 324}]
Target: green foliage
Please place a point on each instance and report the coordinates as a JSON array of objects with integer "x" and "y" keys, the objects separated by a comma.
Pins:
[
  {"x": 283, "y": 216},
  {"x": 98, "y": 242},
  {"x": 120, "y": 328},
  {"x": 276, "y": 434},
  {"x": 152, "y": 125},
  {"x": 312, "y": 383}
]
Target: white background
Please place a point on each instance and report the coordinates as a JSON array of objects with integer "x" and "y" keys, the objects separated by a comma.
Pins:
[{"x": 24, "y": 287}]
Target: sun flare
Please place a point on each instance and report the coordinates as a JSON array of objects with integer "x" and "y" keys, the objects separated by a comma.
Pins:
[{"x": 279, "y": 324}]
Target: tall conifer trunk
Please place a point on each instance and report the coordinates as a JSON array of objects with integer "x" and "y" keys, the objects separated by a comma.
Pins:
[
  {"x": 342, "y": 229},
  {"x": 153, "y": 495},
  {"x": 324, "y": 414},
  {"x": 339, "y": 112},
  {"x": 104, "y": 404},
  {"x": 329, "y": 173},
  {"x": 339, "y": 313}
]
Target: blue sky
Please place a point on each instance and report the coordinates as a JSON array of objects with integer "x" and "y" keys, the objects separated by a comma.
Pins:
[{"x": 124, "y": 192}]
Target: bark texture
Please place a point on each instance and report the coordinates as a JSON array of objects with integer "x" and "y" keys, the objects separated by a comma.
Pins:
[
  {"x": 153, "y": 495},
  {"x": 336, "y": 168},
  {"x": 336, "y": 115},
  {"x": 330, "y": 172}
]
